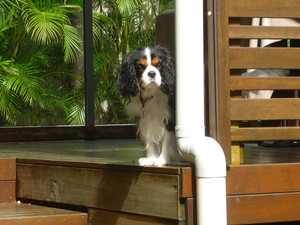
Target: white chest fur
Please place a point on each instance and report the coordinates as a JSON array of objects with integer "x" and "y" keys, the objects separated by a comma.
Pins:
[{"x": 152, "y": 115}]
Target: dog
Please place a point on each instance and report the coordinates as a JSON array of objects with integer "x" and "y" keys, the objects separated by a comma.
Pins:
[{"x": 147, "y": 78}]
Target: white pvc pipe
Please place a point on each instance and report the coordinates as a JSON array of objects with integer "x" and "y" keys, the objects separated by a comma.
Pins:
[{"x": 194, "y": 146}]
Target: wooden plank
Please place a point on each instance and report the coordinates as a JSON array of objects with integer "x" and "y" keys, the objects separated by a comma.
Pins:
[
  {"x": 264, "y": 178},
  {"x": 172, "y": 170},
  {"x": 211, "y": 89},
  {"x": 265, "y": 109},
  {"x": 258, "y": 8},
  {"x": 7, "y": 191},
  {"x": 222, "y": 83},
  {"x": 250, "y": 209},
  {"x": 7, "y": 169},
  {"x": 258, "y": 32},
  {"x": 264, "y": 83},
  {"x": 264, "y": 58},
  {"x": 97, "y": 216},
  {"x": 124, "y": 191},
  {"x": 187, "y": 182},
  {"x": 23, "y": 214},
  {"x": 265, "y": 133},
  {"x": 67, "y": 132},
  {"x": 190, "y": 211}
]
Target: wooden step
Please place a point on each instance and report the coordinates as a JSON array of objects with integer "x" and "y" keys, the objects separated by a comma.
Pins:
[{"x": 25, "y": 214}]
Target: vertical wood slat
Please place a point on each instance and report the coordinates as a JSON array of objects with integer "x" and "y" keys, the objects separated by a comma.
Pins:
[
  {"x": 7, "y": 180},
  {"x": 7, "y": 191},
  {"x": 190, "y": 213},
  {"x": 187, "y": 182},
  {"x": 223, "y": 83},
  {"x": 211, "y": 91},
  {"x": 7, "y": 169}
]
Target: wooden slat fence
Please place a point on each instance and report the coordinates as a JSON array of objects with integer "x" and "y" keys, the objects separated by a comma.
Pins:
[{"x": 234, "y": 56}]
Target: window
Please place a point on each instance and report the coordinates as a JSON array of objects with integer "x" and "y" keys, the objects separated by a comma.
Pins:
[{"x": 58, "y": 65}]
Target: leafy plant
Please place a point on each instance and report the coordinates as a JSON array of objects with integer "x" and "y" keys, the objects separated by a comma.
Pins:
[{"x": 41, "y": 57}]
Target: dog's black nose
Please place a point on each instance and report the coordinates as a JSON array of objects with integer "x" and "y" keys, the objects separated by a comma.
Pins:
[{"x": 152, "y": 74}]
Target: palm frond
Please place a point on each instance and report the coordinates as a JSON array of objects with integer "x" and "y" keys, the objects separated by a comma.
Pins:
[
  {"x": 44, "y": 27},
  {"x": 72, "y": 44},
  {"x": 127, "y": 7}
]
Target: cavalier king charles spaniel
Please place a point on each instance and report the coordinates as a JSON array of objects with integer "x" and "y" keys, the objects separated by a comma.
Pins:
[{"x": 147, "y": 77}]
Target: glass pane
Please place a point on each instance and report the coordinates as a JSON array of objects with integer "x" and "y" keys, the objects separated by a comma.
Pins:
[
  {"x": 41, "y": 66},
  {"x": 119, "y": 26}
]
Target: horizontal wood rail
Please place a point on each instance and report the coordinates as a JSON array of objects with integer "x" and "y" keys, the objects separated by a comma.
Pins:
[
  {"x": 268, "y": 178},
  {"x": 117, "y": 188},
  {"x": 266, "y": 9},
  {"x": 265, "y": 133},
  {"x": 247, "y": 32},
  {"x": 249, "y": 209},
  {"x": 264, "y": 83},
  {"x": 263, "y": 193},
  {"x": 264, "y": 58},
  {"x": 265, "y": 109}
]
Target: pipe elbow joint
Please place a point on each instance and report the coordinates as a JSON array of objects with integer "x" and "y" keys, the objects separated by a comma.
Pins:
[{"x": 203, "y": 151}]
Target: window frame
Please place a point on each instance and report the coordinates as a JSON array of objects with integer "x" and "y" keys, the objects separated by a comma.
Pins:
[{"x": 89, "y": 130}]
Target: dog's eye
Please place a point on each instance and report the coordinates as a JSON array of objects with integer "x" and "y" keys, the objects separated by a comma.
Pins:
[
  {"x": 139, "y": 66},
  {"x": 158, "y": 64}
]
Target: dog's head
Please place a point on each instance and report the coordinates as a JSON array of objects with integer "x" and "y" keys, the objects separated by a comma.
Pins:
[{"x": 147, "y": 68}]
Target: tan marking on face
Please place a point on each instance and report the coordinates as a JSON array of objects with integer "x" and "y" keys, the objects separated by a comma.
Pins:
[
  {"x": 143, "y": 62},
  {"x": 155, "y": 61}
]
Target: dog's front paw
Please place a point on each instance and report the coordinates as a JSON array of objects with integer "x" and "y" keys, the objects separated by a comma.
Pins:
[
  {"x": 147, "y": 161},
  {"x": 161, "y": 161}
]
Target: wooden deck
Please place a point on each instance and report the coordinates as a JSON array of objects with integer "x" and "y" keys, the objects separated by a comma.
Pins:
[
  {"x": 103, "y": 177},
  {"x": 17, "y": 213}
]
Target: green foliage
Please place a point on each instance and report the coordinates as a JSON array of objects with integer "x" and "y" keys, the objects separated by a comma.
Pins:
[{"x": 41, "y": 58}]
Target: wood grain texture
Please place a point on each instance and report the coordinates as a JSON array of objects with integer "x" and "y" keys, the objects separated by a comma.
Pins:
[
  {"x": 251, "y": 209},
  {"x": 8, "y": 169},
  {"x": 123, "y": 191},
  {"x": 265, "y": 109},
  {"x": 264, "y": 83},
  {"x": 7, "y": 191},
  {"x": 264, "y": 58},
  {"x": 191, "y": 214},
  {"x": 266, "y": 9},
  {"x": 222, "y": 82},
  {"x": 23, "y": 214},
  {"x": 187, "y": 182},
  {"x": 265, "y": 133},
  {"x": 249, "y": 32},
  {"x": 262, "y": 179},
  {"x": 97, "y": 216}
]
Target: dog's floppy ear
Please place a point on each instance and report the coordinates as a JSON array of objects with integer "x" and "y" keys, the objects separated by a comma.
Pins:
[
  {"x": 168, "y": 73},
  {"x": 128, "y": 83}
]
